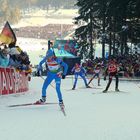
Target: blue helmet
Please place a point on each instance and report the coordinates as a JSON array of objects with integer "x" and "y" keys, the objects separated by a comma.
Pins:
[{"x": 50, "y": 53}]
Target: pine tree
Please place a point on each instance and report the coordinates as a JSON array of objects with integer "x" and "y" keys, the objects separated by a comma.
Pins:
[
  {"x": 84, "y": 34},
  {"x": 116, "y": 22}
]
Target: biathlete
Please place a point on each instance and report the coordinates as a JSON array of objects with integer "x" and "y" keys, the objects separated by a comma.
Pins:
[
  {"x": 79, "y": 71},
  {"x": 57, "y": 69},
  {"x": 97, "y": 72},
  {"x": 112, "y": 71}
]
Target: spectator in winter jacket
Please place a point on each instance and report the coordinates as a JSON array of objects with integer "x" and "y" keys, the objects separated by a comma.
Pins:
[{"x": 4, "y": 58}]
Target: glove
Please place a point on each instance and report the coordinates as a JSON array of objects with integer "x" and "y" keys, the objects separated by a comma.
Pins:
[
  {"x": 104, "y": 78},
  {"x": 63, "y": 76},
  {"x": 38, "y": 73},
  {"x": 39, "y": 68}
]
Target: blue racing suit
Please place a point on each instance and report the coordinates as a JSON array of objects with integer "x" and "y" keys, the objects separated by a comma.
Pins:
[
  {"x": 79, "y": 71},
  {"x": 56, "y": 70}
]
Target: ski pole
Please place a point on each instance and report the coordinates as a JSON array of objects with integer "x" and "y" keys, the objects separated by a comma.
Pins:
[
  {"x": 90, "y": 80},
  {"x": 50, "y": 84},
  {"x": 72, "y": 80}
]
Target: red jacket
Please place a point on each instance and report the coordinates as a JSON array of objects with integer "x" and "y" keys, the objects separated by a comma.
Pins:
[{"x": 112, "y": 68}]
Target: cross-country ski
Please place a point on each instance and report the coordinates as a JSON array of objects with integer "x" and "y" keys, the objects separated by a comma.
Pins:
[{"x": 30, "y": 104}]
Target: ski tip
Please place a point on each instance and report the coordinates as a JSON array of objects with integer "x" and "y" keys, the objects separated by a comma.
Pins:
[
  {"x": 62, "y": 108},
  {"x": 64, "y": 113}
]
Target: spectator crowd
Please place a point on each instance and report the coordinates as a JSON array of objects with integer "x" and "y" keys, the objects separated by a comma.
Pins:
[
  {"x": 50, "y": 31},
  {"x": 12, "y": 56},
  {"x": 129, "y": 65}
]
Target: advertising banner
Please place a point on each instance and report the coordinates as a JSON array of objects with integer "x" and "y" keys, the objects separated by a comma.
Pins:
[{"x": 12, "y": 81}]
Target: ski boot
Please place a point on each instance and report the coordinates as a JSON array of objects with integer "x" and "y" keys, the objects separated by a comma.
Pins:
[
  {"x": 61, "y": 104},
  {"x": 105, "y": 91},
  {"x": 117, "y": 90},
  {"x": 87, "y": 86},
  {"x": 42, "y": 100},
  {"x": 99, "y": 85},
  {"x": 73, "y": 88}
]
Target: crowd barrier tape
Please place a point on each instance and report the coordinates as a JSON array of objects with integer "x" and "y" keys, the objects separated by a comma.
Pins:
[{"x": 12, "y": 81}]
